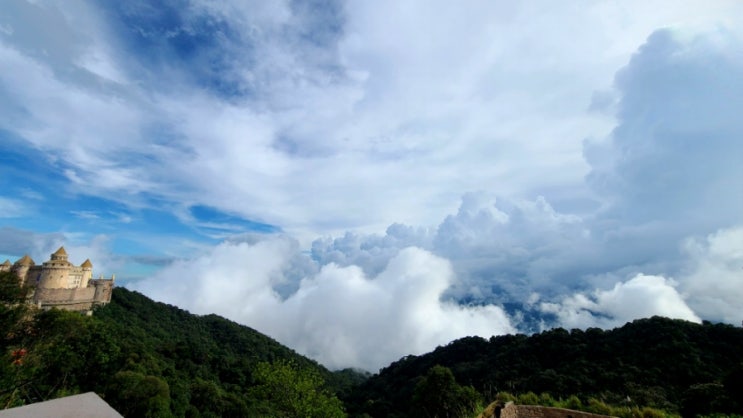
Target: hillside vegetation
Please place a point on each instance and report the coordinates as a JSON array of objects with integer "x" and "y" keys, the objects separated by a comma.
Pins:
[
  {"x": 675, "y": 366},
  {"x": 149, "y": 359}
]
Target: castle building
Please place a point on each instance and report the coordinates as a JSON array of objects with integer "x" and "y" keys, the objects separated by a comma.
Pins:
[{"x": 57, "y": 283}]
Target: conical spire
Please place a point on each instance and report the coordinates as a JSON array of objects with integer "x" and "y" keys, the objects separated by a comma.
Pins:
[
  {"x": 25, "y": 261},
  {"x": 59, "y": 255},
  {"x": 87, "y": 263}
]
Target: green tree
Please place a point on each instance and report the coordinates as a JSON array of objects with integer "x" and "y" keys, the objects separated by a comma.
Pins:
[
  {"x": 14, "y": 329},
  {"x": 13, "y": 310},
  {"x": 284, "y": 389},
  {"x": 438, "y": 395},
  {"x": 136, "y": 395}
]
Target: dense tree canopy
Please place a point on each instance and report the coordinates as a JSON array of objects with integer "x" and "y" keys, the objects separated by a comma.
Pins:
[
  {"x": 150, "y": 359},
  {"x": 437, "y": 395},
  {"x": 666, "y": 364}
]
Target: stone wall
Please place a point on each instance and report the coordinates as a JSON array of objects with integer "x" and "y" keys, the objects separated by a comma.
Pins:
[
  {"x": 65, "y": 295},
  {"x": 510, "y": 410},
  {"x": 103, "y": 290},
  {"x": 80, "y": 299}
]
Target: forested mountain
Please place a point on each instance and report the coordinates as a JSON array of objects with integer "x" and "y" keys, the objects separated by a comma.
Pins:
[
  {"x": 672, "y": 365},
  {"x": 149, "y": 359}
]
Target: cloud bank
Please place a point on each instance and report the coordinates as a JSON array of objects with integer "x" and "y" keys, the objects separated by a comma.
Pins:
[
  {"x": 640, "y": 297},
  {"x": 661, "y": 178},
  {"x": 420, "y": 171},
  {"x": 339, "y": 315}
]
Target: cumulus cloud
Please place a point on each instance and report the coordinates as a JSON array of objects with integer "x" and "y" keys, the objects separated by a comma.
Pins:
[
  {"x": 669, "y": 169},
  {"x": 713, "y": 277},
  {"x": 501, "y": 249},
  {"x": 338, "y": 316},
  {"x": 640, "y": 297}
]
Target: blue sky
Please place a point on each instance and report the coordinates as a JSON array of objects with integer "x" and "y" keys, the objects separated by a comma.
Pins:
[{"x": 411, "y": 171}]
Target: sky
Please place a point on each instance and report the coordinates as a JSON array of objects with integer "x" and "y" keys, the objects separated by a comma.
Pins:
[{"x": 368, "y": 180}]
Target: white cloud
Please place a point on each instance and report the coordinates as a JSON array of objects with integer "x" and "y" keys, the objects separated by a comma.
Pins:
[
  {"x": 339, "y": 316},
  {"x": 18, "y": 242},
  {"x": 12, "y": 208},
  {"x": 500, "y": 249},
  {"x": 640, "y": 297},
  {"x": 671, "y": 161},
  {"x": 435, "y": 99},
  {"x": 713, "y": 280}
]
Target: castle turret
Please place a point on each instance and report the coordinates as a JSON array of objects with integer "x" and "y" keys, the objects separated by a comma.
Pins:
[
  {"x": 5, "y": 266},
  {"x": 87, "y": 267},
  {"x": 59, "y": 255},
  {"x": 55, "y": 273},
  {"x": 21, "y": 267}
]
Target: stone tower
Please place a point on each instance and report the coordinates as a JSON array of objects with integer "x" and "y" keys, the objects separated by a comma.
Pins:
[
  {"x": 55, "y": 273},
  {"x": 87, "y": 267},
  {"x": 21, "y": 267}
]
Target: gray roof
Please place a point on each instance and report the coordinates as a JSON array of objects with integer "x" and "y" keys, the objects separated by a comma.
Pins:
[{"x": 87, "y": 405}]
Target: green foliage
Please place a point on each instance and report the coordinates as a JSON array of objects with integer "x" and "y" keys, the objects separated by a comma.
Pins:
[
  {"x": 705, "y": 399},
  {"x": 10, "y": 290},
  {"x": 344, "y": 381},
  {"x": 208, "y": 399},
  {"x": 153, "y": 359},
  {"x": 598, "y": 407},
  {"x": 286, "y": 390},
  {"x": 150, "y": 359},
  {"x": 438, "y": 395},
  {"x": 505, "y": 397},
  {"x": 136, "y": 395},
  {"x": 60, "y": 353},
  {"x": 643, "y": 367},
  {"x": 13, "y": 311},
  {"x": 572, "y": 402},
  {"x": 528, "y": 398}
]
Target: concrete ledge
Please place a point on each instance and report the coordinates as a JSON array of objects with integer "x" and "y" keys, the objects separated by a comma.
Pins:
[{"x": 86, "y": 405}]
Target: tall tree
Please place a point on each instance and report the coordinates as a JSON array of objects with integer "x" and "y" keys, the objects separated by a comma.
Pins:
[
  {"x": 285, "y": 390},
  {"x": 438, "y": 395}
]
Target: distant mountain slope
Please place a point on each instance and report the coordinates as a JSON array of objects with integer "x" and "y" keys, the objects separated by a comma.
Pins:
[
  {"x": 184, "y": 348},
  {"x": 654, "y": 362},
  {"x": 211, "y": 343},
  {"x": 152, "y": 359}
]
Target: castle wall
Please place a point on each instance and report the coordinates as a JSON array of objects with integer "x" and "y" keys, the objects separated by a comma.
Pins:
[
  {"x": 78, "y": 299},
  {"x": 534, "y": 411},
  {"x": 65, "y": 295},
  {"x": 103, "y": 290}
]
